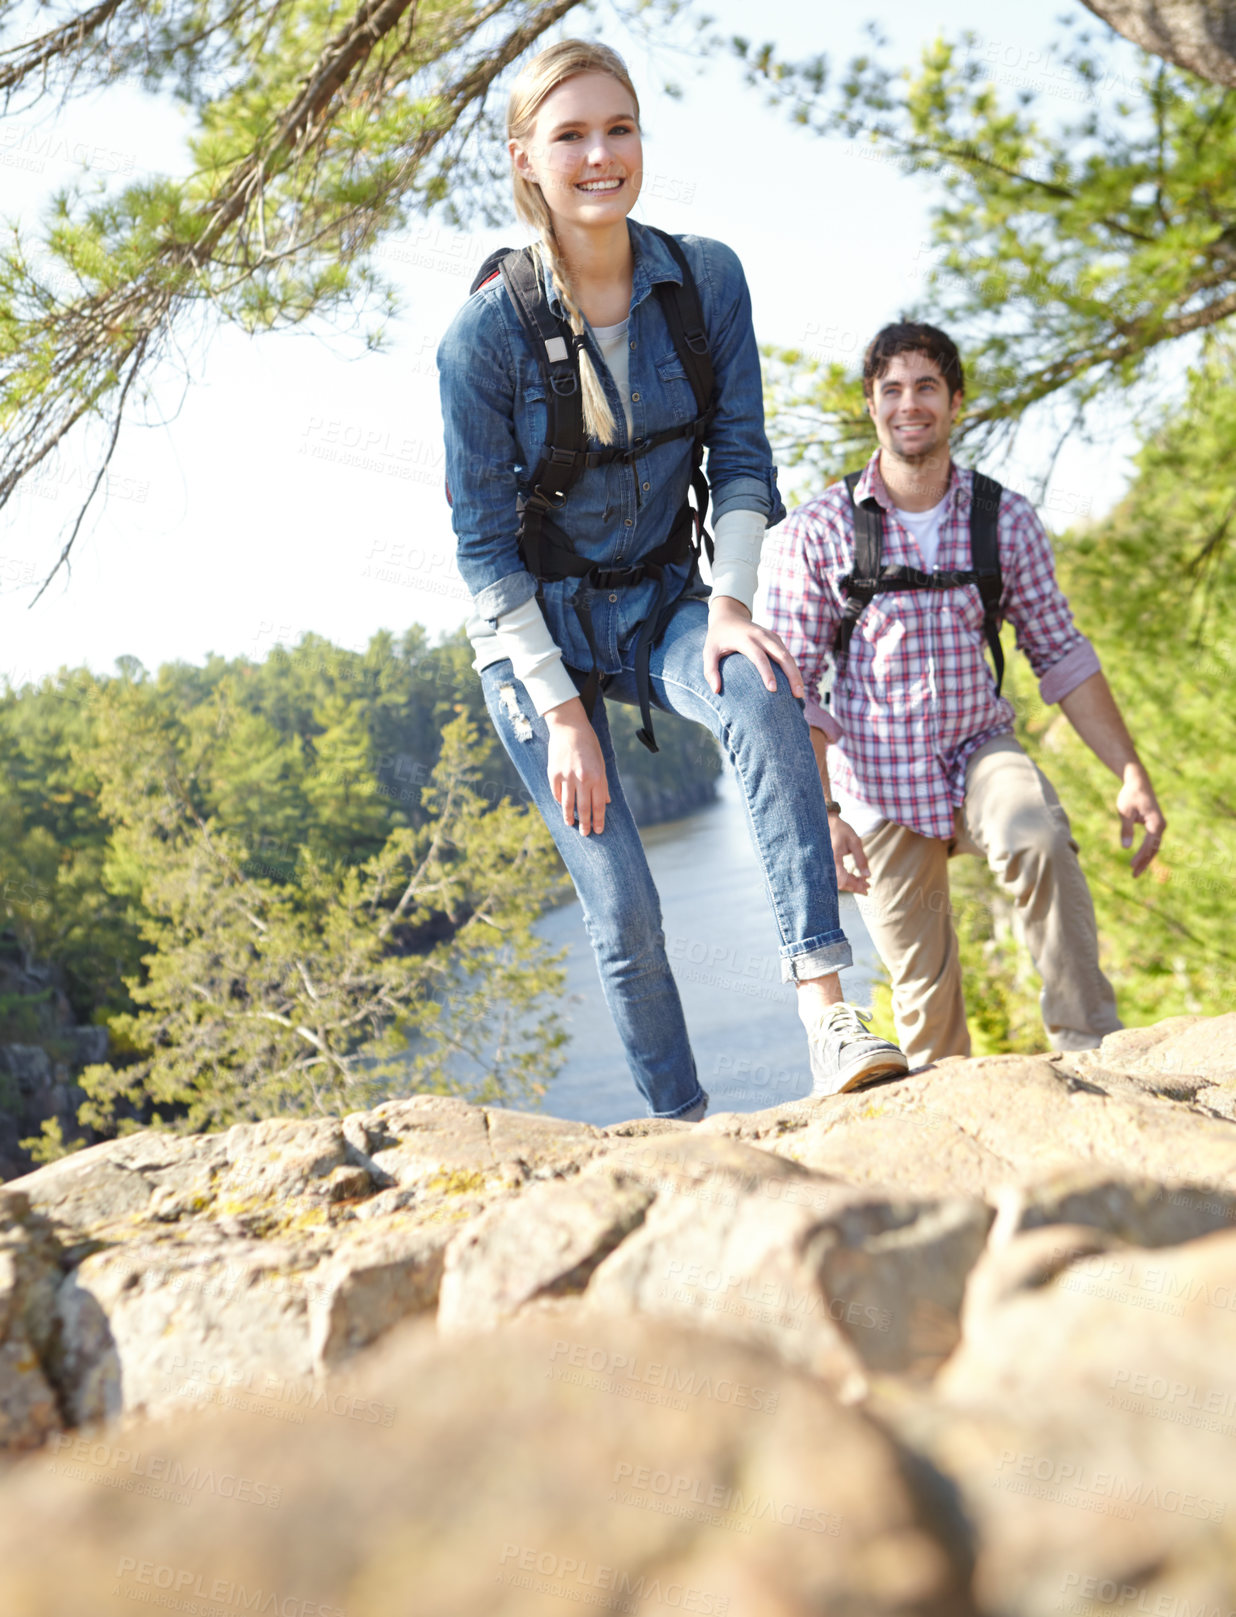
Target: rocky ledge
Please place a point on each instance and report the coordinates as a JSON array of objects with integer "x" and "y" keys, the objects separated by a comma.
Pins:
[{"x": 963, "y": 1343}]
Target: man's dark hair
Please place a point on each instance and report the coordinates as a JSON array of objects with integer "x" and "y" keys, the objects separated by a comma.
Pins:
[{"x": 913, "y": 337}]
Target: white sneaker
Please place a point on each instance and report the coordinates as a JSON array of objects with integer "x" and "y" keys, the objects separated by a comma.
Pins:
[{"x": 845, "y": 1053}]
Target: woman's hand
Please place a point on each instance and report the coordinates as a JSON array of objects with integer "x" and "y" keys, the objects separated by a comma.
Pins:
[
  {"x": 576, "y": 768},
  {"x": 730, "y": 629}
]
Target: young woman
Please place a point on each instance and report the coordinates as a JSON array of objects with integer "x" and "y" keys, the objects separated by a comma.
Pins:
[{"x": 612, "y": 594}]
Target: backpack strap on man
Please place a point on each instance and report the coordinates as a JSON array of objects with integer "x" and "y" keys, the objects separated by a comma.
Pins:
[
  {"x": 862, "y": 583},
  {"x": 870, "y": 577},
  {"x": 985, "y": 562}
]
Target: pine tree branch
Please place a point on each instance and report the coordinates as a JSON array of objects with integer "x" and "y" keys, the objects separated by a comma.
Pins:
[{"x": 59, "y": 44}]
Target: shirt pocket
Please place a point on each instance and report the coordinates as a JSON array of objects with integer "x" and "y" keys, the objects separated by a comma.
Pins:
[
  {"x": 674, "y": 405},
  {"x": 531, "y": 421},
  {"x": 963, "y": 610}
]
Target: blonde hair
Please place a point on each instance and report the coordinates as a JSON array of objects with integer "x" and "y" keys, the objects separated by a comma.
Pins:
[{"x": 539, "y": 77}]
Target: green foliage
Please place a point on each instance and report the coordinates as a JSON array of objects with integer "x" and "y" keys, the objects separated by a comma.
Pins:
[
  {"x": 264, "y": 997},
  {"x": 291, "y": 884},
  {"x": 49, "y": 1144},
  {"x": 1069, "y": 247},
  {"x": 1077, "y": 254},
  {"x": 313, "y": 132},
  {"x": 1155, "y": 587}
]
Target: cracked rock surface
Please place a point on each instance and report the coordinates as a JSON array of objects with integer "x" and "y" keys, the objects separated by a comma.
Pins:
[{"x": 964, "y": 1342}]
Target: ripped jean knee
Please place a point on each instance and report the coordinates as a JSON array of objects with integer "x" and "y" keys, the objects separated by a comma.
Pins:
[{"x": 521, "y": 724}]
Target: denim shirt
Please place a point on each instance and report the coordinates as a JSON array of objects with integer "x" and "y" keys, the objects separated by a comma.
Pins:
[{"x": 493, "y": 408}]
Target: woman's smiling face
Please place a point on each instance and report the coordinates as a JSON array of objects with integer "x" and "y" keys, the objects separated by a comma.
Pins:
[{"x": 584, "y": 151}]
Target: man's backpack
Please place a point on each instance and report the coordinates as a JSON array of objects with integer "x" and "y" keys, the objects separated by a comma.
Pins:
[
  {"x": 870, "y": 578},
  {"x": 547, "y": 551}
]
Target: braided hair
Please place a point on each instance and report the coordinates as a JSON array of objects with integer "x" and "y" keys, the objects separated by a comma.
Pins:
[{"x": 542, "y": 75}]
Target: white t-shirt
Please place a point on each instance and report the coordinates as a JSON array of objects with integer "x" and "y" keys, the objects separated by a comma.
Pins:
[
  {"x": 925, "y": 526},
  {"x": 612, "y": 341}
]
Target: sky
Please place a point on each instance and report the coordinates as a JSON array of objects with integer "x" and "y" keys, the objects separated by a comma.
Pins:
[{"x": 292, "y": 483}]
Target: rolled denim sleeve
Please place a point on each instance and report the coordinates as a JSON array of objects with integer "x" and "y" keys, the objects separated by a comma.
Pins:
[
  {"x": 476, "y": 375},
  {"x": 740, "y": 464}
]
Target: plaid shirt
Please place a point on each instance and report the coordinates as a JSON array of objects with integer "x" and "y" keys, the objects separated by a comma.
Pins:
[{"x": 917, "y": 697}]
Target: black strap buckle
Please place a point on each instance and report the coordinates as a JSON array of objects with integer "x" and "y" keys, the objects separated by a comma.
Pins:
[
  {"x": 553, "y": 501},
  {"x": 615, "y": 578}
]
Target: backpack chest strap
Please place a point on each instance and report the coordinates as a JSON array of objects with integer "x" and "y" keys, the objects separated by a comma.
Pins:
[{"x": 870, "y": 577}]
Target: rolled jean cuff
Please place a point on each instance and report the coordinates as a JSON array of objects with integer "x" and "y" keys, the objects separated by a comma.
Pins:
[
  {"x": 818, "y": 957},
  {"x": 687, "y": 1106}
]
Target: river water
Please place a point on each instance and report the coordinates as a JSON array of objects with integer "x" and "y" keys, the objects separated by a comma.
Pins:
[{"x": 721, "y": 938}]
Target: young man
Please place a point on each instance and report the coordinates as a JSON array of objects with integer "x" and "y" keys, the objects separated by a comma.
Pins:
[{"x": 916, "y": 742}]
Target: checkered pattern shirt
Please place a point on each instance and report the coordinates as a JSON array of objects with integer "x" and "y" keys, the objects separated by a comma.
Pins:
[{"x": 917, "y": 697}]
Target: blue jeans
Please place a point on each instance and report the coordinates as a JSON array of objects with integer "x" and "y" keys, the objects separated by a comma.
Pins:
[{"x": 765, "y": 740}]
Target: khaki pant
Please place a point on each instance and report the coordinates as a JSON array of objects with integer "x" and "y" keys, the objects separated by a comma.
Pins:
[{"x": 1014, "y": 819}]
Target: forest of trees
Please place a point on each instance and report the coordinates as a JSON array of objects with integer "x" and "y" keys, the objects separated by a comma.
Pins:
[
  {"x": 292, "y": 884},
  {"x": 277, "y": 882}
]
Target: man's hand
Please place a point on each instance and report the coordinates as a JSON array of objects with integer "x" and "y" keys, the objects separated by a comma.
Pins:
[
  {"x": 576, "y": 768},
  {"x": 1136, "y": 804},
  {"x": 730, "y": 630},
  {"x": 845, "y": 841}
]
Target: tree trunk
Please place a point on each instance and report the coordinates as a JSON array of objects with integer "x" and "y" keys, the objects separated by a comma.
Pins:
[{"x": 1196, "y": 34}]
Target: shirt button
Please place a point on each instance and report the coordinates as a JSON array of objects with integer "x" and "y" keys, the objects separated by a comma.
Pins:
[
  {"x": 632, "y": 345},
  {"x": 646, "y": 487},
  {"x": 628, "y": 523},
  {"x": 635, "y": 398},
  {"x": 613, "y": 599}
]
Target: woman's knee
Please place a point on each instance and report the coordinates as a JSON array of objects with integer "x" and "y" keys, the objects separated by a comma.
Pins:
[
  {"x": 626, "y": 932},
  {"x": 747, "y": 704}
]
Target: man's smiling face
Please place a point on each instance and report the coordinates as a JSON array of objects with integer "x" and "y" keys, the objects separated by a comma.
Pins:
[{"x": 911, "y": 407}]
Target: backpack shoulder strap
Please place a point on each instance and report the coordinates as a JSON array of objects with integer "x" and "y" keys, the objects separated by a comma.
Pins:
[
  {"x": 860, "y": 584},
  {"x": 552, "y": 340},
  {"x": 490, "y": 269},
  {"x": 684, "y": 314},
  {"x": 554, "y": 347},
  {"x": 985, "y": 561}
]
